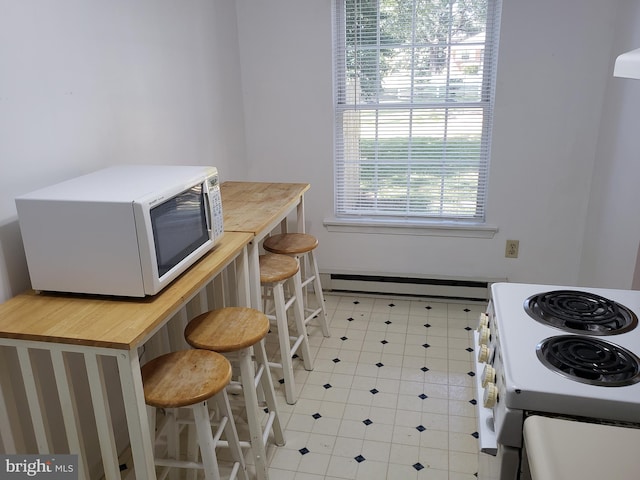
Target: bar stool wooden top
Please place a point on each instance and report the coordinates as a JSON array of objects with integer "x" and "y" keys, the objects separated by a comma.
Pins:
[
  {"x": 183, "y": 378},
  {"x": 276, "y": 268},
  {"x": 290, "y": 243},
  {"x": 228, "y": 329}
]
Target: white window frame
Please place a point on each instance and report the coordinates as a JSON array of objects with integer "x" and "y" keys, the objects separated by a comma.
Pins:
[{"x": 348, "y": 215}]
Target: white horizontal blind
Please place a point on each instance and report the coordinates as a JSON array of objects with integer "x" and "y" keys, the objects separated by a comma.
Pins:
[{"x": 414, "y": 95}]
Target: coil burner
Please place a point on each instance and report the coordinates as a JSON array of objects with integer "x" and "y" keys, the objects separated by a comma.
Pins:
[
  {"x": 589, "y": 360},
  {"x": 580, "y": 312}
]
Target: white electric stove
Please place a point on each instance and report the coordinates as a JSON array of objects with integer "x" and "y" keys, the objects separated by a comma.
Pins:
[{"x": 558, "y": 351}]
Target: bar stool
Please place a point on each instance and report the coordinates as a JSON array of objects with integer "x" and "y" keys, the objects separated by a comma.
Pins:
[
  {"x": 239, "y": 330},
  {"x": 302, "y": 247},
  {"x": 190, "y": 378},
  {"x": 276, "y": 271}
]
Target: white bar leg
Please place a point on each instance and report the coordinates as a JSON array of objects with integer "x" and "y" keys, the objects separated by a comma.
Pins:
[
  {"x": 254, "y": 275},
  {"x": 175, "y": 330},
  {"x": 102, "y": 414},
  {"x": 35, "y": 401},
  {"x": 245, "y": 283},
  {"x": 228, "y": 278},
  {"x": 136, "y": 412},
  {"x": 203, "y": 301},
  {"x": 156, "y": 345},
  {"x": 7, "y": 405},
  {"x": 300, "y": 226},
  {"x": 69, "y": 410},
  {"x": 216, "y": 293}
]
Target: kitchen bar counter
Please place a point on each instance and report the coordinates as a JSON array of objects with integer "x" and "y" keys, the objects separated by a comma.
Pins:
[{"x": 89, "y": 331}]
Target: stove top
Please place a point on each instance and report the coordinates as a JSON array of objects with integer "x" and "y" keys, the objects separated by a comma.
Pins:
[{"x": 610, "y": 339}]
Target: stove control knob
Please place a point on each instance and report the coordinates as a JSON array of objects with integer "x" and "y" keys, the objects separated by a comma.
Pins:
[
  {"x": 490, "y": 395},
  {"x": 483, "y": 336},
  {"x": 488, "y": 375},
  {"x": 483, "y": 354},
  {"x": 483, "y": 321}
]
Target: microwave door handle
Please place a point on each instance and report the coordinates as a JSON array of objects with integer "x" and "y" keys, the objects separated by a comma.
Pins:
[{"x": 207, "y": 211}]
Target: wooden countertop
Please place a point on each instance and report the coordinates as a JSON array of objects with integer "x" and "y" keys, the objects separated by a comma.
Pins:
[
  {"x": 111, "y": 322},
  {"x": 252, "y": 206}
]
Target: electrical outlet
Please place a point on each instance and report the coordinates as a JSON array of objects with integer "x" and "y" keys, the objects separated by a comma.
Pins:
[{"x": 511, "y": 250}]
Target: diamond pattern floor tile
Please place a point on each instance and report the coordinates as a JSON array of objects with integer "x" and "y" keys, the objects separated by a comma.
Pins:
[{"x": 391, "y": 394}]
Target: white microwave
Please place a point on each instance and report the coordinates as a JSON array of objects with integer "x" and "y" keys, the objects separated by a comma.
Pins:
[{"x": 126, "y": 230}]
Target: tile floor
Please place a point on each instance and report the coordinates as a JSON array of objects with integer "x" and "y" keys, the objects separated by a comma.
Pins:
[{"x": 390, "y": 397}]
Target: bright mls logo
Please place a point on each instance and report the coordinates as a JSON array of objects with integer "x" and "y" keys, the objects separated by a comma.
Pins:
[{"x": 50, "y": 467}]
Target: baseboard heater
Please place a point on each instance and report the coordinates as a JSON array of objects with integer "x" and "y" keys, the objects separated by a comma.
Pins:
[{"x": 445, "y": 288}]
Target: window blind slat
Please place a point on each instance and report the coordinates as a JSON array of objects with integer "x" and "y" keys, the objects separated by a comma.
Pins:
[{"x": 414, "y": 106}]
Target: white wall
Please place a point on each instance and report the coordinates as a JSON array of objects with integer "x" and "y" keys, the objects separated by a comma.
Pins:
[
  {"x": 554, "y": 64},
  {"x": 86, "y": 84},
  {"x": 613, "y": 222}
]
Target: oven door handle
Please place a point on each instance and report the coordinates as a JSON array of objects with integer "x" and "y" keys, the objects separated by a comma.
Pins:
[{"x": 487, "y": 439}]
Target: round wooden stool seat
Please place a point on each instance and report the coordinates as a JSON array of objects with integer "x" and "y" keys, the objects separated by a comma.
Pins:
[
  {"x": 302, "y": 246},
  {"x": 290, "y": 243},
  {"x": 228, "y": 329},
  {"x": 276, "y": 268},
  {"x": 239, "y": 332},
  {"x": 183, "y": 378}
]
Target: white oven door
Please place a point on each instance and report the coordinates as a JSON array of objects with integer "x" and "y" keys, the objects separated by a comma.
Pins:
[{"x": 558, "y": 448}]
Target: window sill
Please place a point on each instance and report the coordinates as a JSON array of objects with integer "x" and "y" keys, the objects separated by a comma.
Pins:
[{"x": 410, "y": 227}]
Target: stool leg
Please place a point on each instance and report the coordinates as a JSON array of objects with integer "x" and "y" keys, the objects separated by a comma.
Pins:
[
  {"x": 231, "y": 434},
  {"x": 267, "y": 387},
  {"x": 304, "y": 277},
  {"x": 317, "y": 290},
  {"x": 192, "y": 451},
  {"x": 151, "y": 415},
  {"x": 298, "y": 315},
  {"x": 173, "y": 440},
  {"x": 206, "y": 441},
  {"x": 285, "y": 343},
  {"x": 247, "y": 375}
]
